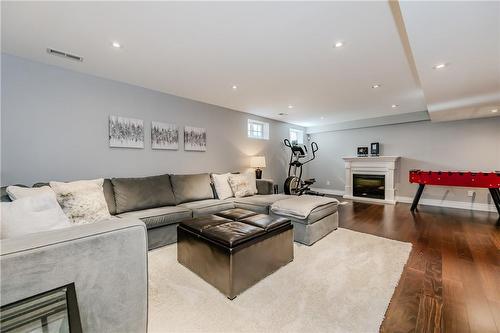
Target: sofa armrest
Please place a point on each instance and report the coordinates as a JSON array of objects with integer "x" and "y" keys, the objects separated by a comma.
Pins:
[
  {"x": 265, "y": 186},
  {"x": 107, "y": 261}
]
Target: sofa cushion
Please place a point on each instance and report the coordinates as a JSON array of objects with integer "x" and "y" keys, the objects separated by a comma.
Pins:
[
  {"x": 208, "y": 207},
  {"x": 161, "y": 216},
  {"x": 142, "y": 193},
  {"x": 319, "y": 213},
  {"x": 40, "y": 184},
  {"x": 315, "y": 215},
  {"x": 259, "y": 203},
  {"x": 302, "y": 207},
  {"x": 109, "y": 195},
  {"x": 265, "y": 186},
  {"x": 189, "y": 188}
]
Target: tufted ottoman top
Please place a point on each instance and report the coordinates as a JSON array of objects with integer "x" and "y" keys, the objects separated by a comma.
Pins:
[
  {"x": 234, "y": 226},
  {"x": 236, "y": 214}
]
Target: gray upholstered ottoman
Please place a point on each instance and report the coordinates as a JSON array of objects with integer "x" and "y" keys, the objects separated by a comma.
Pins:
[{"x": 321, "y": 221}]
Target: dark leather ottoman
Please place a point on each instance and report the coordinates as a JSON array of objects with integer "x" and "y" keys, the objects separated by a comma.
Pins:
[{"x": 234, "y": 255}]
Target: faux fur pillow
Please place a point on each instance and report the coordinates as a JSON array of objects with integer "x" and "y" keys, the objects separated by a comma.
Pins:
[
  {"x": 82, "y": 201},
  {"x": 243, "y": 184}
]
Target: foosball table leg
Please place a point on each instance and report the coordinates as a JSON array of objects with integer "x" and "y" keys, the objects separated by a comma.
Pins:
[
  {"x": 495, "y": 195},
  {"x": 417, "y": 196}
]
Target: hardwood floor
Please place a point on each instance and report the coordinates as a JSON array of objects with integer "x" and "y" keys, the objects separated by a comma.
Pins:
[{"x": 451, "y": 282}]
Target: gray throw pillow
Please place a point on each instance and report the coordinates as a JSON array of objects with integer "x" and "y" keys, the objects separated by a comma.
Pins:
[
  {"x": 192, "y": 187},
  {"x": 109, "y": 195},
  {"x": 142, "y": 193}
]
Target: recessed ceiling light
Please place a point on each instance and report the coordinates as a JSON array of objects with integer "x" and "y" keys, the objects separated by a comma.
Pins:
[
  {"x": 339, "y": 44},
  {"x": 494, "y": 111},
  {"x": 235, "y": 87},
  {"x": 290, "y": 106},
  {"x": 282, "y": 114},
  {"x": 322, "y": 118},
  {"x": 440, "y": 66},
  {"x": 116, "y": 45},
  {"x": 375, "y": 86},
  {"x": 394, "y": 106}
]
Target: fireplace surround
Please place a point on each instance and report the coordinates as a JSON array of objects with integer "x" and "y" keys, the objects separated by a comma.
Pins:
[{"x": 375, "y": 169}]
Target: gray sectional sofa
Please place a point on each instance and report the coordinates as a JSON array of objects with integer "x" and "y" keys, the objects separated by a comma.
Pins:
[
  {"x": 107, "y": 261},
  {"x": 163, "y": 201}
]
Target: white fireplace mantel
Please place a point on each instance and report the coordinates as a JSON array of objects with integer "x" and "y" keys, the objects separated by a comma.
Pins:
[{"x": 377, "y": 165}]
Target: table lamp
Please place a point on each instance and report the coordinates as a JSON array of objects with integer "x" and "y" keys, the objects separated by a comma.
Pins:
[{"x": 258, "y": 162}]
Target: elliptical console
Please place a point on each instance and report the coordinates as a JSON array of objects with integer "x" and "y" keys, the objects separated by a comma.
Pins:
[{"x": 294, "y": 184}]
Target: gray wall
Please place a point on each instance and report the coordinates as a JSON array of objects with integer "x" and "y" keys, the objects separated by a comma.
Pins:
[
  {"x": 55, "y": 127},
  {"x": 460, "y": 145}
]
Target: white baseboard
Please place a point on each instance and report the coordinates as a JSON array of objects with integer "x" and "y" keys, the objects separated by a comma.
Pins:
[
  {"x": 328, "y": 191},
  {"x": 484, "y": 207},
  {"x": 382, "y": 201}
]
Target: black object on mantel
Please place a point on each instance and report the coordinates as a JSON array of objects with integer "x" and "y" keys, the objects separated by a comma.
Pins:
[
  {"x": 258, "y": 173},
  {"x": 374, "y": 149}
]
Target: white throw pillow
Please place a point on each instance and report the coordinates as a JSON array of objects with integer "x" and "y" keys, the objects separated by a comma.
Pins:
[
  {"x": 82, "y": 201},
  {"x": 35, "y": 213},
  {"x": 253, "y": 181},
  {"x": 243, "y": 185},
  {"x": 18, "y": 192},
  {"x": 222, "y": 187}
]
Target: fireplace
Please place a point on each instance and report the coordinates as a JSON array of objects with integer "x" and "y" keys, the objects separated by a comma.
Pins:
[
  {"x": 368, "y": 186},
  {"x": 383, "y": 167}
]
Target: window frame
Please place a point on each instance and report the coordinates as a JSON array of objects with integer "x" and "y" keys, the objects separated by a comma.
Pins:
[
  {"x": 296, "y": 131},
  {"x": 262, "y": 134}
]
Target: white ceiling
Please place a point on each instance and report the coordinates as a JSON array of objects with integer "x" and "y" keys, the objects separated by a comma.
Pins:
[
  {"x": 277, "y": 53},
  {"x": 466, "y": 36}
]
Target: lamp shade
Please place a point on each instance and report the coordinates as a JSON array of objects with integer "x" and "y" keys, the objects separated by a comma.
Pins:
[{"x": 258, "y": 162}]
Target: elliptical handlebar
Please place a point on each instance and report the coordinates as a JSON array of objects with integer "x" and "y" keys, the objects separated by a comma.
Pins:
[{"x": 314, "y": 147}]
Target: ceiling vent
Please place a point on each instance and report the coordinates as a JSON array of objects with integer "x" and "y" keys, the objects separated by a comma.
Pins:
[{"x": 64, "y": 54}]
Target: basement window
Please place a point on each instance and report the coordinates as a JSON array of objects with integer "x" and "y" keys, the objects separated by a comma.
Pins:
[
  {"x": 258, "y": 129},
  {"x": 296, "y": 136}
]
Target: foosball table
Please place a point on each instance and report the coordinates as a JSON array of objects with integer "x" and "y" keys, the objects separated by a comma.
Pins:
[{"x": 489, "y": 180}]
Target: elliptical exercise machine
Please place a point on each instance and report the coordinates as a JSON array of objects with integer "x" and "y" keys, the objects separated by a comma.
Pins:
[{"x": 294, "y": 184}]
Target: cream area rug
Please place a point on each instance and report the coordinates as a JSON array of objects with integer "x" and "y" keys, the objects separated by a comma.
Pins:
[{"x": 343, "y": 283}]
